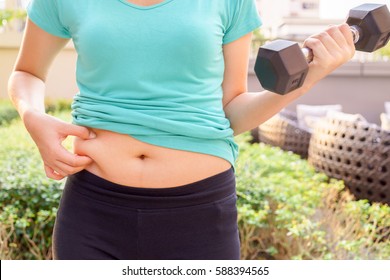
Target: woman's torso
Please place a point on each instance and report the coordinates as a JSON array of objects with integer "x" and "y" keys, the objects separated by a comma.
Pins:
[
  {"x": 160, "y": 84},
  {"x": 144, "y": 83},
  {"x": 124, "y": 160}
]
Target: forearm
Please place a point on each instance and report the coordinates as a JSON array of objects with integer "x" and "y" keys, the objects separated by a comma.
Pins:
[
  {"x": 248, "y": 110},
  {"x": 26, "y": 92}
]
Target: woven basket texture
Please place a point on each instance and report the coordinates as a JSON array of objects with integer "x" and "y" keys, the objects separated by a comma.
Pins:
[
  {"x": 282, "y": 131},
  {"x": 356, "y": 152}
]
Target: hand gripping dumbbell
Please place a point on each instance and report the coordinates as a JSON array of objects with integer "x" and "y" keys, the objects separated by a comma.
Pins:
[{"x": 281, "y": 66}]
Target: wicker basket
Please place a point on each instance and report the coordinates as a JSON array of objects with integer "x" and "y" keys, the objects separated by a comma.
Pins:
[
  {"x": 255, "y": 135},
  {"x": 282, "y": 131},
  {"x": 357, "y": 153}
]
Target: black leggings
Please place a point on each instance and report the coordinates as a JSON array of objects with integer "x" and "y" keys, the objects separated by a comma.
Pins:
[{"x": 98, "y": 219}]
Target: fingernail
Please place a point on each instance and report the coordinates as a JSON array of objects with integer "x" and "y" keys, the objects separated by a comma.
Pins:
[{"x": 92, "y": 134}]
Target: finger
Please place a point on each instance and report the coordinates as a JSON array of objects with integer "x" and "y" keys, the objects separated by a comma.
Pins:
[
  {"x": 345, "y": 29},
  {"x": 342, "y": 35},
  {"x": 67, "y": 169},
  {"x": 71, "y": 159},
  {"x": 318, "y": 48},
  {"x": 328, "y": 41},
  {"x": 79, "y": 131},
  {"x": 50, "y": 173},
  {"x": 338, "y": 36},
  {"x": 58, "y": 171}
]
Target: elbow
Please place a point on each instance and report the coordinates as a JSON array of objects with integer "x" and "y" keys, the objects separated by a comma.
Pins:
[{"x": 19, "y": 72}]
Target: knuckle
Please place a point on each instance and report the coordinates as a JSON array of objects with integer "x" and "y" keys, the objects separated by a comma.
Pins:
[
  {"x": 315, "y": 43},
  {"x": 323, "y": 35},
  {"x": 345, "y": 27},
  {"x": 332, "y": 30}
]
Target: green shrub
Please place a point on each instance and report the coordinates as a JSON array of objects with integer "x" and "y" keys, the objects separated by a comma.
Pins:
[
  {"x": 57, "y": 105},
  {"x": 385, "y": 52},
  {"x": 288, "y": 211},
  {"x": 7, "y": 15},
  {"x": 7, "y": 112},
  {"x": 28, "y": 200}
]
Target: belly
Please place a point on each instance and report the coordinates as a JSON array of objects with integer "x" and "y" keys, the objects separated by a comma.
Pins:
[{"x": 124, "y": 160}]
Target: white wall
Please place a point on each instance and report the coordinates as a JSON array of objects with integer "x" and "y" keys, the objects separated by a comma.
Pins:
[{"x": 61, "y": 80}]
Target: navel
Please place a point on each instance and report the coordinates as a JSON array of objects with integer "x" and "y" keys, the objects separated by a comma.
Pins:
[{"x": 142, "y": 157}]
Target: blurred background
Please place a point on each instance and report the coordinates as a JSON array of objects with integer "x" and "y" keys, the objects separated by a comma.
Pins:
[
  {"x": 365, "y": 80},
  {"x": 361, "y": 86}
]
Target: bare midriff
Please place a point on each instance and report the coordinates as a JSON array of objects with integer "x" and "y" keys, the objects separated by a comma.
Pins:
[{"x": 127, "y": 161}]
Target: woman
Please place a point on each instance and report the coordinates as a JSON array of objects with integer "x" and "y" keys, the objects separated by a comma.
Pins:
[{"x": 162, "y": 92}]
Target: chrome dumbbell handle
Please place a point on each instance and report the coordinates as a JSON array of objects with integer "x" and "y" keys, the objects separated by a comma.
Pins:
[{"x": 356, "y": 32}]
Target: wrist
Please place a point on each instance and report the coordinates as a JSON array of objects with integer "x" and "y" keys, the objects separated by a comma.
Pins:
[
  {"x": 30, "y": 116},
  {"x": 26, "y": 111},
  {"x": 297, "y": 92},
  {"x": 304, "y": 88}
]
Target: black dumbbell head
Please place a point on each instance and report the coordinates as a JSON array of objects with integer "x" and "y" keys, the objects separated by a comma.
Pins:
[
  {"x": 281, "y": 66},
  {"x": 374, "y": 22}
]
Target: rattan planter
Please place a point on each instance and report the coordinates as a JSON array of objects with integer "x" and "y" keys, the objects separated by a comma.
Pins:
[
  {"x": 283, "y": 131},
  {"x": 357, "y": 153}
]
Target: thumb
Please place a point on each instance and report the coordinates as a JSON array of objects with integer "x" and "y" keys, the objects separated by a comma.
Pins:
[{"x": 79, "y": 131}]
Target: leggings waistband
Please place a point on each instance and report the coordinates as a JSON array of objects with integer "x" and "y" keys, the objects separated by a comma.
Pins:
[{"x": 204, "y": 191}]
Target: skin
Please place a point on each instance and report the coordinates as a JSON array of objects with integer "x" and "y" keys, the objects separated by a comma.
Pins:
[{"x": 245, "y": 110}]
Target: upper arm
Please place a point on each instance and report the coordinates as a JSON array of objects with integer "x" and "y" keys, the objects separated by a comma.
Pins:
[
  {"x": 236, "y": 57},
  {"x": 37, "y": 51}
]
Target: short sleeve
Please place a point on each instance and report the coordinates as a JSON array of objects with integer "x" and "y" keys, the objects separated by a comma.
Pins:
[
  {"x": 243, "y": 18},
  {"x": 46, "y": 15}
]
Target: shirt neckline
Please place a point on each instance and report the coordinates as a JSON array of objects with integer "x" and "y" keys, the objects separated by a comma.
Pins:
[{"x": 145, "y": 7}]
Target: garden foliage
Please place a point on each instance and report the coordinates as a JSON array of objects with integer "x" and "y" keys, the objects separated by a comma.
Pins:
[
  {"x": 288, "y": 211},
  {"x": 7, "y": 112},
  {"x": 8, "y": 15},
  {"x": 28, "y": 200}
]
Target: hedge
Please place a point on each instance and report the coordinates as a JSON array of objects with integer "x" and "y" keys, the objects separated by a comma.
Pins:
[
  {"x": 28, "y": 200},
  {"x": 286, "y": 209},
  {"x": 8, "y": 112},
  {"x": 8, "y": 15}
]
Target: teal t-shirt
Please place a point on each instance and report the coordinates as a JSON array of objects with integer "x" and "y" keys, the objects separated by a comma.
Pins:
[{"x": 154, "y": 73}]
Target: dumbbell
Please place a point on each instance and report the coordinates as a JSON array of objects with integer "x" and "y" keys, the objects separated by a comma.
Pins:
[{"x": 281, "y": 66}]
